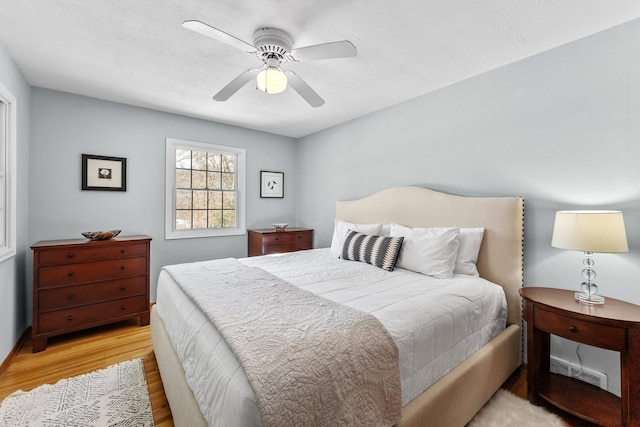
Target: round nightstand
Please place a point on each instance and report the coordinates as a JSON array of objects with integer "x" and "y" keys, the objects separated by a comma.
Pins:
[{"x": 614, "y": 325}]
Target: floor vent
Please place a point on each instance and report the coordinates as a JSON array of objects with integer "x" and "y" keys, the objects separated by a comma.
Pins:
[{"x": 568, "y": 369}]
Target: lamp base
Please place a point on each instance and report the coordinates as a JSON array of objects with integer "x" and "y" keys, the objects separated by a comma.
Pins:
[{"x": 586, "y": 298}]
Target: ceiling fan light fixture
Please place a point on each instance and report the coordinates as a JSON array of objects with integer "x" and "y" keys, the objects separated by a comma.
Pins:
[
  {"x": 273, "y": 47},
  {"x": 271, "y": 80}
]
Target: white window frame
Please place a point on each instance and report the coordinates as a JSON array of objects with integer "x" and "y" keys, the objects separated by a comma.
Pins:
[
  {"x": 8, "y": 174},
  {"x": 173, "y": 144}
]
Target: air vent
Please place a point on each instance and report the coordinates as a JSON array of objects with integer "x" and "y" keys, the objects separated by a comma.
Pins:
[
  {"x": 573, "y": 370},
  {"x": 267, "y": 49}
]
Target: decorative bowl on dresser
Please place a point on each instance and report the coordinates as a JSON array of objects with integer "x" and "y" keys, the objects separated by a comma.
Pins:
[
  {"x": 79, "y": 284},
  {"x": 271, "y": 241},
  {"x": 100, "y": 235}
]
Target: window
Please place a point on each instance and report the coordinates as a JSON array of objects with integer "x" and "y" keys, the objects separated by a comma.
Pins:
[
  {"x": 7, "y": 174},
  {"x": 205, "y": 190}
]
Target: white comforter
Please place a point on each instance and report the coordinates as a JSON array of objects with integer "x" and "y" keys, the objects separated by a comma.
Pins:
[{"x": 436, "y": 324}]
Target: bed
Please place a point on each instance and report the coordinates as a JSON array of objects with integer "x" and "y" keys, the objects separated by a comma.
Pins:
[{"x": 455, "y": 397}]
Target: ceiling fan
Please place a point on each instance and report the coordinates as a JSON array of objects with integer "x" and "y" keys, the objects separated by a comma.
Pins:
[{"x": 274, "y": 47}]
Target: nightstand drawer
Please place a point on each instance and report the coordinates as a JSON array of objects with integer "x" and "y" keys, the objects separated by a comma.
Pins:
[
  {"x": 584, "y": 332},
  {"x": 286, "y": 237}
]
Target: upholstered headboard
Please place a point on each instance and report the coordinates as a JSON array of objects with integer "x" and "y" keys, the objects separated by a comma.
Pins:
[{"x": 500, "y": 259}]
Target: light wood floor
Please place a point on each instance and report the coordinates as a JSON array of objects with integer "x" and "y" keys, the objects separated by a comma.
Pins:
[
  {"x": 84, "y": 352},
  {"x": 97, "y": 348}
]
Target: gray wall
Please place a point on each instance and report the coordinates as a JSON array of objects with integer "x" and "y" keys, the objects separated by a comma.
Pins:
[
  {"x": 14, "y": 318},
  {"x": 561, "y": 129},
  {"x": 64, "y": 126}
]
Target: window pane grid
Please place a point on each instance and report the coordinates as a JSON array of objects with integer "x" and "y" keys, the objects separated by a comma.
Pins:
[{"x": 205, "y": 190}]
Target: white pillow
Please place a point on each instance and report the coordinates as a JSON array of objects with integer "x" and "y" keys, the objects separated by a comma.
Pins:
[
  {"x": 430, "y": 251},
  {"x": 341, "y": 229},
  {"x": 470, "y": 240}
]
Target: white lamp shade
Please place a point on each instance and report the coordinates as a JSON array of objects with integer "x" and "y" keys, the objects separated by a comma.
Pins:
[
  {"x": 271, "y": 80},
  {"x": 590, "y": 231}
]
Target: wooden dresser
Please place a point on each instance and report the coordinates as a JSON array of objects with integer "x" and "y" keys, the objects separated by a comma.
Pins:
[
  {"x": 269, "y": 241},
  {"x": 79, "y": 284}
]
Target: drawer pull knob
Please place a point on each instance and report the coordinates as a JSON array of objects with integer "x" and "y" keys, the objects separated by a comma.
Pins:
[
  {"x": 70, "y": 296},
  {"x": 121, "y": 251},
  {"x": 573, "y": 329},
  {"x": 70, "y": 318},
  {"x": 122, "y": 267},
  {"x": 70, "y": 274},
  {"x": 277, "y": 238},
  {"x": 70, "y": 255},
  {"x": 122, "y": 307},
  {"x": 123, "y": 287}
]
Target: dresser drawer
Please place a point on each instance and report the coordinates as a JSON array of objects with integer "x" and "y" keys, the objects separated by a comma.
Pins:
[
  {"x": 286, "y": 247},
  {"x": 286, "y": 237},
  {"x": 92, "y": 272},
  {"x": 584, "y": 332},
  {"x": 85, "y": 254},
  {"x": 86, "y": 315},
  {"x": 69, "y": 296}
]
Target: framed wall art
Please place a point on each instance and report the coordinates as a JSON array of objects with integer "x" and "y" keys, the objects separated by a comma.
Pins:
[
  {"x": 104, "y": 173},
  {"x": 271, "y": 184}
]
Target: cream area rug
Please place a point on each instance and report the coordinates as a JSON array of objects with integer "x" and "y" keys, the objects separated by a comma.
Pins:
[
  {"x": 508, "y": 410},
  {"x": 114, "y": 396}
]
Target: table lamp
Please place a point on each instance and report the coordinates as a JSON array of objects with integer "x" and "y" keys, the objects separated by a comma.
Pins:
[{"x": 589, "y": 232}]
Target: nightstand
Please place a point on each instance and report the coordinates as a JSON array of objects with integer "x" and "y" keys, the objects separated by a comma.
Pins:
[
  {"x": 614, "y": 326},
  {"x": 269, "y": 241}
]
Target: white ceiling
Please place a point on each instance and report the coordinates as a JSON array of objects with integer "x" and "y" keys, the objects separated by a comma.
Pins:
[{"x": 136, "y": 52}]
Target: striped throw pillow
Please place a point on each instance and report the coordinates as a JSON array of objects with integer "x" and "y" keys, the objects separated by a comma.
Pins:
[{"x": 375, "y": 250}]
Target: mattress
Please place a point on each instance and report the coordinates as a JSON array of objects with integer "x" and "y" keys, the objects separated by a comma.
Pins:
[{"x": 436, "y": 324}]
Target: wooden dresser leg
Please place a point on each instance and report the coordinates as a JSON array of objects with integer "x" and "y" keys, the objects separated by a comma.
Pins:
[
  {"x": 38, "y": 344},
  {"x": 145, "y": 319}
]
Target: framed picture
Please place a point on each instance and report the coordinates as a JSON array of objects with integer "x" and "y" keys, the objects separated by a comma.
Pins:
[
  {"x": 104, "y": 173},
  {"x": 272, "y": 184}
]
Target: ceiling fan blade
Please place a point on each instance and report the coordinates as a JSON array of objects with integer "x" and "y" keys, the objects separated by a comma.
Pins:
[
  {"x": 235, "y": 84},
  {"x": 341, "y": 49},
  {"x": 303, "y": 89},
  {"x": 216, "y": 34}
]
